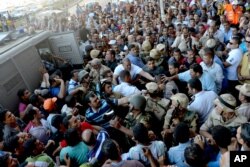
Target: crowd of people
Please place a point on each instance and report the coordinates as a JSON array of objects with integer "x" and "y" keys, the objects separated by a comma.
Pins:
[{"x": 154, "y": 89}]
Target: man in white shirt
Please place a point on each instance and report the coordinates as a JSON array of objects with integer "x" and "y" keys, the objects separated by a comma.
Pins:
[
  {"x": 202, "y": 101},
  {"x": 212, "y": 67},
  {"x": 125, "y": 88},
  {"x": 231, "y": 64},
  {"x": 133, "y": 69}
]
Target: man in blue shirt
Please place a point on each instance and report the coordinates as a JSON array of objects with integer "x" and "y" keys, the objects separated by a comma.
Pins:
[
  {"x": 133, "y": 55},
  {"x": 176, "y": 153},
  {"x": 99, "y": 110},
  {"x": 195, "y": 71},
  {"x": 95, "y": 114}
]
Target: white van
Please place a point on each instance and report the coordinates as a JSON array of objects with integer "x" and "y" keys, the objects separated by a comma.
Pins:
[
  {"x": 20, "y": 61},
  {"x": 4, "y": 13}
]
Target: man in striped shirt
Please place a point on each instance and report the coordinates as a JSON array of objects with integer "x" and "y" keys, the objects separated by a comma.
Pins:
[{"x": 99, "y": 110}]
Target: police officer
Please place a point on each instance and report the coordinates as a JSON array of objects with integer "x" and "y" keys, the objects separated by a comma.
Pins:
[{"x": 223, "y": 114}]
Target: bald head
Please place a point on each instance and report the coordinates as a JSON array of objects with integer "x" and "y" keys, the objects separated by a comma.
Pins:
[
  {"x": 126, "y": 64},
  {"x": 88, "y": 137}
]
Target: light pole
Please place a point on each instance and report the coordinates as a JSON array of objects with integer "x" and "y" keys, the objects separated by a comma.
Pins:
[{"x": 162, "y": 9}]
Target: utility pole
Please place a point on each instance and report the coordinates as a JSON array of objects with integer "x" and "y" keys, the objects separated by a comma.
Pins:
[{"x": 162, "y": 10}]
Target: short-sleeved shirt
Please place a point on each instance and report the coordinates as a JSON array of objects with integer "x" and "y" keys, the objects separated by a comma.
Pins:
[
  {"x": 42, "y": 160},
  {"x": 176, "y": 154},
  {"x": 54, "y": 91},
  {"x": 157, "y": 149},
  {"x": 135, "y": 70},
  {"x": 72, "y": 85},
  {"x": 126, "y": 89},
  {"x": 202, "y": 104},
  {"x": 22, "y": 107},
  {"x": 125, "y": 163},
  {"x": 96, "y": 152},
  {"x": 78, "y": 152},
  {"x": 216, "y": 72},
  {"x": 234, "y": 59},
  {"x": 215, "y": 119},
  {"x": 207, "y": 81},
  {"x": 135, "y": 60}
]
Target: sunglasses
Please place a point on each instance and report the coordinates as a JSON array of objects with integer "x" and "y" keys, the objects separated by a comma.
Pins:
[{"x": 247, "y": 41}]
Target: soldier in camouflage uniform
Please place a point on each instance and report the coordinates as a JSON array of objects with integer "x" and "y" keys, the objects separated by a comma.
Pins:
[
  {"x": 178, "y": 111},
  {"x": 146, "y": 47},
  {"x": 176, "y": 114},
  {"x": 87, "y": 85},
  {"x": 155, "y": 103},
  {"x": 136, "y": 115}
]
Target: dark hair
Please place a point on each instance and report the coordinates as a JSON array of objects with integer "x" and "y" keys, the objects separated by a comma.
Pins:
[
  {"x": 131, "y": 46},
  {"x": 209, "y": 52},
  {"x": 191, "y": 19},
  {"x": 236, "y": 39},
  {"x": 105, "y": 73},
  {"x": 194, "y": 155},
  {"x": 88, "y": 96},
  {"x": 247, "y": 98},
  {"x": 65, "y": 121},
  {"x": 197, "y": 68},
  {"x": 70, "y": 100},
  {"x": 2, "y": 115},
  {"x": 20, "y": 93},
  {"x": 185, "y": 27},
  {"x": 170, "y": 25},
  {"x": 104, "y": 83},
  {"x": 174, "y": 64},
  {"x": 11, "y": 143},
  {"x": 31, "y": 114},
  {"x": 56, "y": 121},
  {"x": 177, "y": 50},
  {"x": 112, "y": 52},
  {"x": 29, "y": 146},
  {"x": 34, "y": 99},
  {"x": 181, "y": 133},
  {"x": 195, "y": 83},
  {"x": 73, "y": 72},
  {"x": 140, "y": 133},
  {"x": 109, "y": 149},
  {"x": 149, "y": 59},
  {"x": 72, "y": 137},
  {"x": 124, "y": 74},
  {"x": 245, "y": 133},
  {"x": 4, "y": 159},
  {"x": 234, "y": 26},
  {"x": 222, "y": 136}
]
